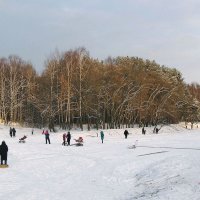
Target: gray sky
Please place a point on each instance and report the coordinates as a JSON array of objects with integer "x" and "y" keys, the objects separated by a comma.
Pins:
[{"x": 167, "y": 31}]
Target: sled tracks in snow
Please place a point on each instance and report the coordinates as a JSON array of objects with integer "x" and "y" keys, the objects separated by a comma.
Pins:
[
  {"x": 147, "y": 154},
  {"x": 183, "y": 148}
]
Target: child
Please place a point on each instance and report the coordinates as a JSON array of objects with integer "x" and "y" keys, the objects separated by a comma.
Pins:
[{"x": 64, "y": 138}]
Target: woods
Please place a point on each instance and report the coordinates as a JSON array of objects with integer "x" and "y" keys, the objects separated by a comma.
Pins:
[{"x": 75, "y": 89}]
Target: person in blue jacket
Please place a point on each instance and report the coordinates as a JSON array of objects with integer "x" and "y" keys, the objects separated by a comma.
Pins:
[{"x": 102, "y": 136}]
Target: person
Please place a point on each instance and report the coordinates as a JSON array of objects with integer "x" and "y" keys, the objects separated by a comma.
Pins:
[
  {"x": 3, "y": 152},
  {"x": 79, "y": 141},
  {"x": 10, "y": 132},
  {"x": 157, "y": 130},
  {"x": 143, "y": 131},
  {"x": 64, "y": 138},
  {"x": 68, "y": 138},
  {"x": 126, "y": 134},
  {"x": 43, "y": 131},
  {"x": 102, "y": 136},
  {"x": 32, "y": 131},
  {"x": 47, "y": 136},
  {"x": 14, "y": 132}
]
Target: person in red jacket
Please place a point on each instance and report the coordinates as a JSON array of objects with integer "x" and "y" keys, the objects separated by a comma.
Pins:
[
  {"x": 46, "y": 133},
  {"x": 64, "y": 138}
]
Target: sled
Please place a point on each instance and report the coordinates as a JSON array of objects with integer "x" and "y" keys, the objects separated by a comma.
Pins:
[
  {"x": 4, "y": 166},
  {"x": 22, "y": 140},
  {"x": 79, "y": 142}
]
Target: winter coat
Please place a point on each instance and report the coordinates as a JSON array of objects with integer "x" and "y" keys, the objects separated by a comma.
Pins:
[
  {"x": 3, "y": 151},
  {"x": 46, "y": 134},
  {"x": 14, "y": 131},
  {"x": 102, "y": 135},
  {"x": 68, "y": 136},
  {"x": 64, "y": 136},
  {"x": 125, "y": 132}
]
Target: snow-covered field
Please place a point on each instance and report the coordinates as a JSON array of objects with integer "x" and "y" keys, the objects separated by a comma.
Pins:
[{"x": 163, "y": 166}]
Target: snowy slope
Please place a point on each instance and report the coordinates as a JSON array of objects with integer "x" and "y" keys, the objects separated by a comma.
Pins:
[{"x": 165, "y": 166}]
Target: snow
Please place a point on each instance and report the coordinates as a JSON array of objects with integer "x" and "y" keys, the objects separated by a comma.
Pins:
[{"x": 164, "y": 166}]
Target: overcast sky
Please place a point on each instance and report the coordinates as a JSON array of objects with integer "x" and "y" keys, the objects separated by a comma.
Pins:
[{"x": 167, "y": 31}]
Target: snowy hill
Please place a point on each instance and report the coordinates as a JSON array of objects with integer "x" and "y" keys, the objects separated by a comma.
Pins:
[{"x": 163, "y": 166}]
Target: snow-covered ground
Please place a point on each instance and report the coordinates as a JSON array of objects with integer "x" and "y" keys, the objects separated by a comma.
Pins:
[{"x": 164, "y": 166}]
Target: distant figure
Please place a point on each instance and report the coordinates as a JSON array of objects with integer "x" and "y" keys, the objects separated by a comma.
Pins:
[
  {"x": 64, "y": 138},
  {"x": 43, "y": 131},
  {"x": 14, "y": 132},
  {"x": 3, "y": 152},
  {"x": 10, "y": 132},
  {"x": 157, "y": 130},
  {"x": 32, "y": 131},
  {"x": 68, "y": 138},
  {"x": 126, "y": 134},
  {"x": 46, "y": 133},
  {"x": 143, "y": 131},
  {"x": 102, "y": 136}
]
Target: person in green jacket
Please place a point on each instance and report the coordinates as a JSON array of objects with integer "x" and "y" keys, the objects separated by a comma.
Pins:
[{"x": 102, "y": 136}]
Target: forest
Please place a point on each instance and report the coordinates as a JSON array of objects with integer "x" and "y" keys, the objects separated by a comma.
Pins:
[{"x": 75, "y": 89}]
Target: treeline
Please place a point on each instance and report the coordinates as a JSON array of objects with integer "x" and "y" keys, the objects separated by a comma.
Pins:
[{"x": 75, "y": 89}]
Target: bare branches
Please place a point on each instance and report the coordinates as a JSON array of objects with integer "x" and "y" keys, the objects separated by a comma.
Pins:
[{"x": 74, "y": 87}]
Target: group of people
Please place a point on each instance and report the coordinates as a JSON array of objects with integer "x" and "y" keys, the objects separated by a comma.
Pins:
[
  {"x": 12, "y": 132},
  {"x": 3, "y": 153},
  {"x": 66, "y": 137}
]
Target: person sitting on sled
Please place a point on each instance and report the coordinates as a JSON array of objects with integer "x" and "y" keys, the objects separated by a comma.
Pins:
[
  {"x": 79, "y": 140},
  {"x": 23, "y": 138}
]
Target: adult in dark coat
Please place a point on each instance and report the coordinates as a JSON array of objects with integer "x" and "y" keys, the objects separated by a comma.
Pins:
[
  {"x": 14, "y": 132},
  {"x": 68, "y": 138},
  {"x": 11, "y": 132},
  {"x": 3, "y": 152},
  {"x": 143, "y": 131},
  {"x": 126, "y": 134}
]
